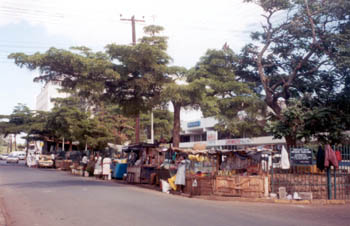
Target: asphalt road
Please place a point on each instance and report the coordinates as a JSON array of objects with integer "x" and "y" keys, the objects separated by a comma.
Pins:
[{"x": 46, "y": 197}]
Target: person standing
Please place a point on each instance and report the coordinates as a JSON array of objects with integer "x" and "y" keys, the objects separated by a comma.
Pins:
[
  {"x": 106, "y": 168},
  {"x": 53, "y": 160},
  {"x": 98, "y": 165},
  {"x": 37, "y": 158},
  {"x": 84, "y": 162},
  {"x": 181, "y": 173}
]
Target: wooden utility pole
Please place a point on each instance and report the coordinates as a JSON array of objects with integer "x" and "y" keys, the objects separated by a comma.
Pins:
[{"x": 137, "y": 120}]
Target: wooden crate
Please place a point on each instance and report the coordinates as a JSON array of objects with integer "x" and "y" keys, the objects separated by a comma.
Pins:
[
  {"x": 242, "y": 186},
  {"x": 134, "y": 174},
  {"x": 204, "y": 185}
]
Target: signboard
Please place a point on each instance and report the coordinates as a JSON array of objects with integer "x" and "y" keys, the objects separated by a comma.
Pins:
[
  {"x": 238, "y": 141},
  {"x": 193, "y": 124},
  {"x": 301, "y": 156},
  {"x": 212, "y": 136}
]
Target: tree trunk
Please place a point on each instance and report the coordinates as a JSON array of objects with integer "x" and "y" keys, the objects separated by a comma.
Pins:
[
  {"x": 291, "y": 141},
  {"x": 15, "y": 142},
  {"x": 176, "y": 129},
  {"x": 70, "y": 145}
]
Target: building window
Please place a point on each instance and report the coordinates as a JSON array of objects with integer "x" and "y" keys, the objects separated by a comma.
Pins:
[
  {"x": 185, "y": 139},
  {"x": 204, "y": 136},
  {"x": 197, "y": 138}
]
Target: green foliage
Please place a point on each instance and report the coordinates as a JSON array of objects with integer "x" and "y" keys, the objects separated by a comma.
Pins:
[
  {"x": 17, "y": 122},
  {"x": 299, "y": 49},
  {"x": 182, "y": 94},
  {"x": 302, "y": 50},
  {"x": 310, "y": 119},
  {"x": 78, "y": 70},
  {"x": 142, "y": 70},
  {"x": 227, "y": 98},
  {"x": 162, "y": 124}
]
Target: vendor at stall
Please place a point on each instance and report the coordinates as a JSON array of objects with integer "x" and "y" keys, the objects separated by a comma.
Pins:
[{"x": 181, "y": 173}]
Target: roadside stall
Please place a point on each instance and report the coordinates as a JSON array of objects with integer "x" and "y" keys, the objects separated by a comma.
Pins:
[
  {"x": 200, "y": 172},
  {"x": 143, "y": 160},
  {"x": 239, "y": 173}
]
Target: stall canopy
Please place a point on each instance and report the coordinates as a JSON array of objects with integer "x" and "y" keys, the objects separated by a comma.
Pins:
[{"x": 138, "y": 147}]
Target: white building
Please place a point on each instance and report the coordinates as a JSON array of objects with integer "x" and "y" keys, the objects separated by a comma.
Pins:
[
  {"x": 49, "y": 91},
  {"x": 202, "y": 132}
]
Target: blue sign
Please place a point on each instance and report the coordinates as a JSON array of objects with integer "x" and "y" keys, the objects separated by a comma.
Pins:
[{"x": 193, "y": 124}]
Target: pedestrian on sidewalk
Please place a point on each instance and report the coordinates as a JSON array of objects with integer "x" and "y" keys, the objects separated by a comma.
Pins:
[
  {"x": 106, "y": 168},
  {"x": 98, "y": 165},
  {"x": 84, "y": 162}
]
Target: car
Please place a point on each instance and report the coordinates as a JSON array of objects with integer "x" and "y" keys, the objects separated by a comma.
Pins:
[
  {"x": 12, "y": 158},
  {"x": 3, "y": 156},
  {"x": 45, "y": 161},
  {"x": 22, "y": 155}
]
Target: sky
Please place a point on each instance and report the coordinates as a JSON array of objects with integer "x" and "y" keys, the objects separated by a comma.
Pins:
[{"x": 192, "y": 27}]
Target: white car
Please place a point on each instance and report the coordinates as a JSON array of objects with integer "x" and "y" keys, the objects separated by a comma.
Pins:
[
  {"x": 3, "y": 156},
  {"x": 12, "y": 158},
  {"x": 22, "y": 156}
]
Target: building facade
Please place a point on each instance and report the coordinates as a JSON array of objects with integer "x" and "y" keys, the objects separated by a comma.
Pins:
[
  {"x": 44, "y": 99},
  {"x": 202, "y": 132}
]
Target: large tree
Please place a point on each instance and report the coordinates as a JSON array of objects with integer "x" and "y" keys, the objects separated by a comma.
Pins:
[
  {"x": 129, "y": 76},
  {"x": 142, "y": 70},
  {"x": 78, "y": 70},
  {"x": 182, "y": 94},
  {"x": 162, "y": 124},
  {"x": 297, "y": 51},
  {"x": 19, "y": 121},
  {"x": 230, "y": 100}
]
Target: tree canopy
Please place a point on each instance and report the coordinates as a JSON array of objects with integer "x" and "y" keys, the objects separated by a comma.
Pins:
[
  {"x": 227, "y": 98},
  {"x": 300, "y": 50}
]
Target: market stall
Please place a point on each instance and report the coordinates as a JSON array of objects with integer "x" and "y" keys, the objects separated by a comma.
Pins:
[
  {"x": 143, "y": 160},
  {"x": 239, "y": 173},
  {"x": 200, "y": 172}
]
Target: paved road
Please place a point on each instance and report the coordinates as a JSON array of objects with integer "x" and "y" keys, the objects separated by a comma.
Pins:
[{"x": 35, "y": 197}]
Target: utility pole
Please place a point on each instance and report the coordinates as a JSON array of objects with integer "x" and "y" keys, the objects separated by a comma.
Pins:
[{"x": 137, "y": 120}]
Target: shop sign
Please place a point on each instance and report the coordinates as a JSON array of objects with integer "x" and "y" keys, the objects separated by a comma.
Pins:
[
  {"x": 212, "y": 136},
  {"x": 238, "y": 141},
  {"x": 193, "y": 124},
  {"x": 301, "y": 156}
]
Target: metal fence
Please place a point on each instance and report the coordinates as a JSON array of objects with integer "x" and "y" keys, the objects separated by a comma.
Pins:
[{"x": 304, "y": 177}]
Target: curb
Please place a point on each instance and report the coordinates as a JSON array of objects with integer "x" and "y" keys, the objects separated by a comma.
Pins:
[{"x": 277, "y": 201}]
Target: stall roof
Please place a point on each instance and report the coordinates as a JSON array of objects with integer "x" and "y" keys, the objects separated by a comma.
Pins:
[
  {"x": 212, "y": 151},
  {"x": 138, "y": 147}
]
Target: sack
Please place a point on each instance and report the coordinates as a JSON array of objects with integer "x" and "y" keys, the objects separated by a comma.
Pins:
[
  {"x": 165, "y": 186},
  {"x": 338, "y": 155}
]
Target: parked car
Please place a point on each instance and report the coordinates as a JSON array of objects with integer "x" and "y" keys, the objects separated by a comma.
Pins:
[
  {"x": 12, "y": 158},
  {"x": 3, "y": 156},
  {"x": 22, "y": 155},
  {"x": 45, "y": 161}
]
